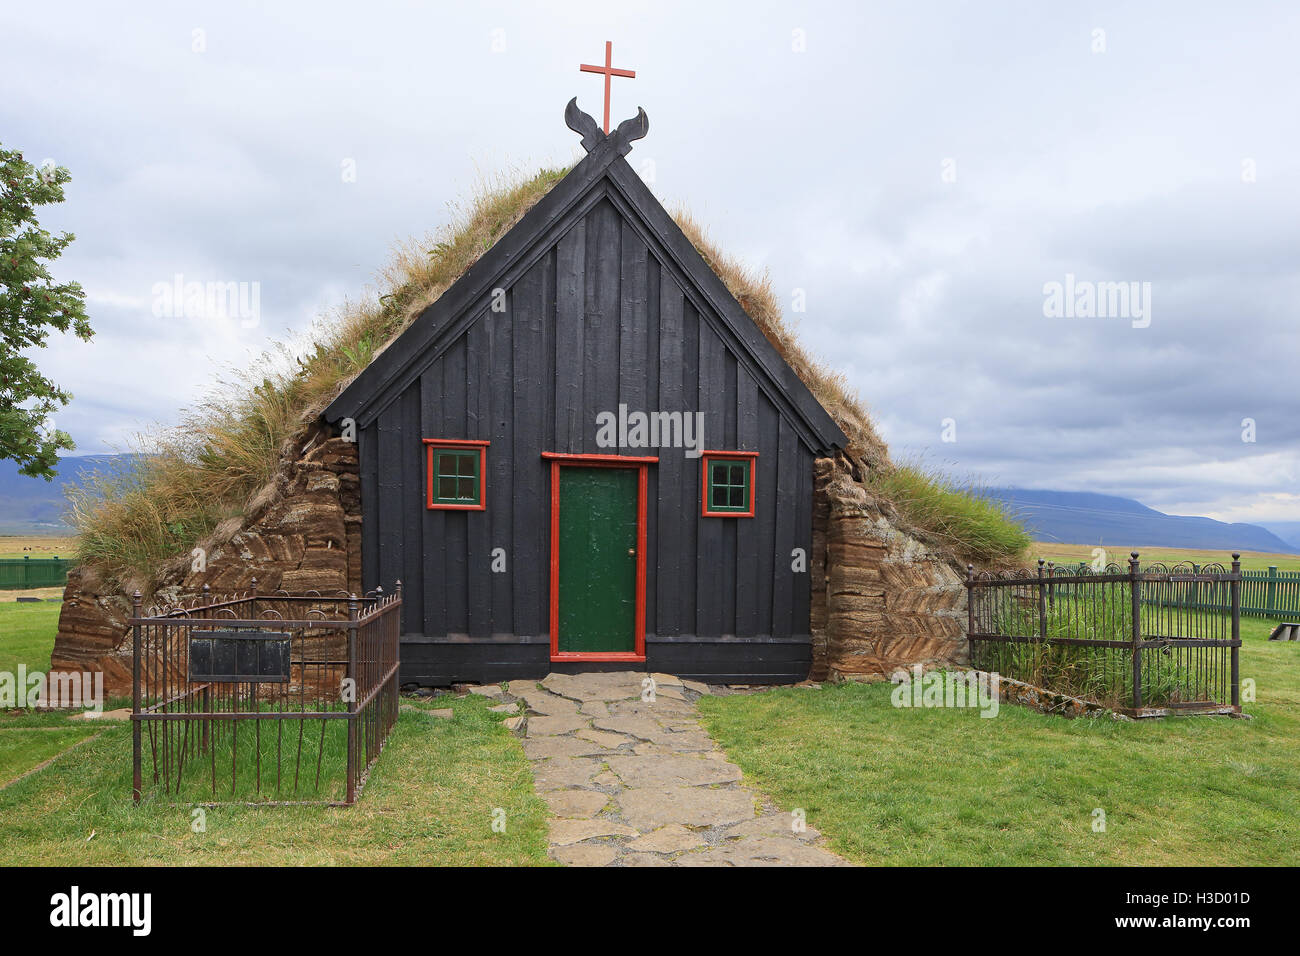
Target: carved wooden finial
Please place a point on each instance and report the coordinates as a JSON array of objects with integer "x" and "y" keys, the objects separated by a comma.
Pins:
[{"x": 628, "y": 131}]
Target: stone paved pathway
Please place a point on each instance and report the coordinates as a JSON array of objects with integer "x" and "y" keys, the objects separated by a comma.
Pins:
[{"x": 636, "y": 782}]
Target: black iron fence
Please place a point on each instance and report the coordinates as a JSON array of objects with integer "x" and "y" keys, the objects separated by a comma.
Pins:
[
  {"x": 1142, "y": 640},
  {"x": 264, "y": 698}
]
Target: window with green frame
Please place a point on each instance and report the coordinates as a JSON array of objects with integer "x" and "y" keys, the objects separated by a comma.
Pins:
[
  {"x": 729, "y": 485},
  {"x": 456, "y": 474}
]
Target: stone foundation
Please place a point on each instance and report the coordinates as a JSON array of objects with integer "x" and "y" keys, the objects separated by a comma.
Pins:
[
  {"x": 302, "y": 531},
  {"x": 881, "y": 599}
]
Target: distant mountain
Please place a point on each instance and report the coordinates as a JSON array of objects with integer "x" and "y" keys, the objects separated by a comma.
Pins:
[
  {"x": 37, "y": 506},
  {"x": 1081, "y": 517},
  {"x": 1288, "y": 531}
]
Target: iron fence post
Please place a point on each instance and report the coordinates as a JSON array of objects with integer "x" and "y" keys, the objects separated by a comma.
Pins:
[
  {"x": 352, "y": 704},
  {"x": 136, "y": 600},
  {"x": 1135, "y": 586},
  {"x": 395, "y": 637},
  {"x": 1236, "y": 629},
  {"x": 970, "y": 613}
]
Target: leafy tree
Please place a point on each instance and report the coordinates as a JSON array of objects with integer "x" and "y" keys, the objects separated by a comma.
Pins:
[{"x": 31, "y": 304}]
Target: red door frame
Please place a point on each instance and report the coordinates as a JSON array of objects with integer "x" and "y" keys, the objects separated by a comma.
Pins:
[{"x": 641, "y": 464}]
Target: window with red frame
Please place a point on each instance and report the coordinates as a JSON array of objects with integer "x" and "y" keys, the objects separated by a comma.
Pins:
[
  {"x": 455, "y": 474},
  {"x": 728, "y": 484}
]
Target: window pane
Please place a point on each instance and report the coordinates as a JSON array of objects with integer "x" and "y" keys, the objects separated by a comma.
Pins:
[
  {"x": 447, "y": 488},
  {"x": 737, "y": 474},
  {"x": 738, "y": 497},
  {"x": 468, "y": 463},
  {"x": 719, "y": 474},
  {"x": 466, "y": 489}
]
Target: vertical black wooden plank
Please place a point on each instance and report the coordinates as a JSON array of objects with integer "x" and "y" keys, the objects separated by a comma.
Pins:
[
  {"x": 729, "y": 568},
  {"x": 674, "y": 510},
  {"x": 390, "y": 497},
  {"x": 801, "y": 583},
  {"x": 570, "y": 349},
  {"x": 787, "y": 486},
  {"x": 632, "y": 371},
  {"x": 531, "y": 340},
  {"x": 368, "y": 456},
  {"x": 601, "y": 332},
  {"x": 765, "y": 511},
  {"x": 729, "y": 405},
  {"x": 412, "y": 504},
  {"x": 433, "y": 579},
  {"x": 541, "y": 533},
  {"x": 455, "y": 532},
  {"x": 690, "y": 481},
  {"x": 748, "y": 542},
  {"x": 651, "y": 375},
  {"x": 478, "y": 425},
  {"x": 500, "y": 463},
  {"x": 715, "y": 590}
]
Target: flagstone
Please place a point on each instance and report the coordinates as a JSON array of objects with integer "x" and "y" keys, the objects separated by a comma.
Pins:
[
  {"x": 667, "y": 839},
  {"x": 663, "y": 770},
  {"x": 546, "y": 703},
  {"x": 771, "y": 825},
  {"x": 565, "y": 830},
  {"x": 576, "y": 803},
  {"x": 760, "y": 851},
  {"x": 560, "y": 773},
  {"x": 604, "y": 738},
  {"x": 559, "y": 724},
  {"x": 585, "y": 854},
  {"x": 540, "y": 748},
  {"x": 651, "y": 808},
  {"x": 603, "y": 686}
]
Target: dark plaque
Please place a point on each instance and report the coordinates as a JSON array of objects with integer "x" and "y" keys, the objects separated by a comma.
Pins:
[{"x": 254, "y": 657}]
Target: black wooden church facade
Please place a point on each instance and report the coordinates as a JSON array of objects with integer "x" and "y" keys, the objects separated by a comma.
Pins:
[{"x": 536, "y": 520}]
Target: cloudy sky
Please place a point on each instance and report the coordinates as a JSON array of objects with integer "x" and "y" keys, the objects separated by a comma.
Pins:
[{"x": 923, "y": 172}]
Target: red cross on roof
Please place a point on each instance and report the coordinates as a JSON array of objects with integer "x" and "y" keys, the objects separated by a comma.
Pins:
[{"x": 609, "y": 72}]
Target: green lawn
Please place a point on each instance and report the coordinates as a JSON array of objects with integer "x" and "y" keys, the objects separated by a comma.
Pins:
[
  {"x": 27, "y": 634},
  {"x": 896, "y": 786},
  {"x": 885, "y": 785},
  {"x": 429, "y": 801}
]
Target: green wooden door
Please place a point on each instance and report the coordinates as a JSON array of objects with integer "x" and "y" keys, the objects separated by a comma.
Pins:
[{"x": 597, "y": 574}]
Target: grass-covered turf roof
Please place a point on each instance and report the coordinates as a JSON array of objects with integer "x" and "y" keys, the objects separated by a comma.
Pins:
[{"x": 192, "y": 477}]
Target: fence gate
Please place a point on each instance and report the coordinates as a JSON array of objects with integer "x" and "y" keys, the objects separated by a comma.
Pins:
[{"x": 275, "y": 698}]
